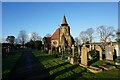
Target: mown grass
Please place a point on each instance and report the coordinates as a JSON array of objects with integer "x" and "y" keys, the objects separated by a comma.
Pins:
[
  {"x": 60, "y": 69},
  {"x": 99, "y": 62},
  {"x": 8, "y": 62},
  {"x": 106, "y": 74}
]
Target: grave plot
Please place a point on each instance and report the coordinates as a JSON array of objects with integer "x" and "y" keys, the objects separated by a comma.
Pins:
[
  {"x": 87, "y": 57},
  {"x": 94, "y": 69},
  {"x": 107, "y": 66}
]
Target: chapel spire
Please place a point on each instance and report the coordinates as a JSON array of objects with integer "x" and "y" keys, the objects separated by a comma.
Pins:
[{"x": 64, "y": 21}]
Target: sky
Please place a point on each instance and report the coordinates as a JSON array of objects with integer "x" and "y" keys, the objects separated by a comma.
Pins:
[{"x": 45, "y": 17}]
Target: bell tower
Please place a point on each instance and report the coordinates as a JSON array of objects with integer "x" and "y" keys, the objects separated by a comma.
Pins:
[{"x": 64, "y": 29}]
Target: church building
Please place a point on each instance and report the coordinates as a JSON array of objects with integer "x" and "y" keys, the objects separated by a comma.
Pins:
[{"x": 62, "y": 37}]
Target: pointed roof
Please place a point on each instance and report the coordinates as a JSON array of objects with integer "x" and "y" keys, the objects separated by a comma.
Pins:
[
  {"x": 64, "y": 21},
  {"x": 56, "y": 34}
]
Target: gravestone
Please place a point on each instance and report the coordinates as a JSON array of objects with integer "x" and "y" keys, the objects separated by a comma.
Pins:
[
  {"x": 117, "y": 48},
  {"x": 49, "y": 51},
  {"x": 84, "y": 56},
  {"x": 8, "y": 49},
  {"x": 73, "y": 60},
  {"x": 73, "y": 48},
  {"x": 98, "y": 48},
  {"x": 62, "y": 56},
  {"x": 109, "y": 52},
  {"x": 93, "y": 47},
  {"x": 90, "y": 57},
  {"x": 107, "y": 66},
  {"x": 59, "y": 50},
  {"x": 68, "y": 58},
  {"x": 90, "y": 47}
]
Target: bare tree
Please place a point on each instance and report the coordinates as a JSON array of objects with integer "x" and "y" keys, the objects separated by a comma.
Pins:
[
  {"x": 105, "y": 33},
  {"x": 35, "y": 36},
  {"x": 22, "y": 37},
  {"x": 83, "y": 36},
  {"x": 89, "y": 33},
  {"x": 40, "y": 38},
  {"x": 77, "y": 41},
  {"x": 10, "y": 39},
  {"x": 48, "y": 35}
]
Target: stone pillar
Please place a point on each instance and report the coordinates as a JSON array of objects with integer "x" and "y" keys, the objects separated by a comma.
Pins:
[{"x": 84, "y": 60}]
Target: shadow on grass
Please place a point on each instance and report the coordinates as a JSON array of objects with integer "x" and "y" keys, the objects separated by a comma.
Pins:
[
  {"x": 76, "y": 76},
  {"x": 44, "y": 58},
  {"x": 63, "y": 71},
  {"x": 59, "y": 65},
  {"x": 9, "y": 64},
  {"x": 92, "y": 61}
]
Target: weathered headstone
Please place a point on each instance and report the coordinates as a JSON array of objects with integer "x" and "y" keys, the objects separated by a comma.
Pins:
[
  {"x": 90, "y": 57},
  {"x": 93, "y": 47},
  {"x": 98, "y": 48},
  {"x": 8, "y": 49},
  {"x": 78, "y": 50},
  {"x": 84, "y": 56},
  {"x": 68, "y": 58},
  {"x": 73, "y": 60},
  {"x": 117, "y": 48},
  {"x": 62, "y": 56},
  {"x": 109, "y": 52},
  {"x": 90, "y": 47},
  {"x": 73, "y": 50},
  {"x": 49, "y": 51},
  {"x": 59, "y": 50}
]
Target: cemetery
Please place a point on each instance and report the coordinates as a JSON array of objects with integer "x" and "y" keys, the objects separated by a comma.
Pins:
[{"x": 60, "y": 58}]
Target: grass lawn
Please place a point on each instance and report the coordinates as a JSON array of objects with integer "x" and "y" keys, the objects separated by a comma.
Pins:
[
  {"x": 8, "y": 62},
  {"x": 106, "y": 74},
  {"x": 60, "y": 69}
]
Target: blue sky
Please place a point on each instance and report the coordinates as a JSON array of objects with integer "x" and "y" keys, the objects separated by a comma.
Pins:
[{"x": 44, "y": 17}]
